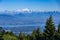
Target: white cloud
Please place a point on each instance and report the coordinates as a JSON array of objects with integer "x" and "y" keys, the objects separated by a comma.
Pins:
[
  {"x": 26, "y": 9},
  {"x": 18, "y": 10},
  {"x": 23, "y": 10}
]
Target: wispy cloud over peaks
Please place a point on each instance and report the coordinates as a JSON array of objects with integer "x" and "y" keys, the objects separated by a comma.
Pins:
[{"x": 24, "y": 10}]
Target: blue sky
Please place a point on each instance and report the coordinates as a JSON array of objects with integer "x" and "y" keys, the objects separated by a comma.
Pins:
[{"x": 42, "y": 5}]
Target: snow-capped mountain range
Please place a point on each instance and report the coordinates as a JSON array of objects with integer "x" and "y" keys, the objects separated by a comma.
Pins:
[{"x": 25, "y": 10}]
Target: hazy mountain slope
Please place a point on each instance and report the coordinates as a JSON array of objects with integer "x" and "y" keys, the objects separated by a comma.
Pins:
[
  {"x": 26, "y": 18},
  {"x": 26, "y": 22}
]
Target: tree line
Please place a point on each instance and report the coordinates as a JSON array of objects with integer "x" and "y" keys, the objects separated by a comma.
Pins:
[{"x": 49, "y": 33}]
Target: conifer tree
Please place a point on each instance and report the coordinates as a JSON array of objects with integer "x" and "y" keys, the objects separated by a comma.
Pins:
[
  {"x": 28, "y": 37},
  {"x": 49, "y": 29},
  {"x": 38, "y": 36},
  {"x": 1, "y": 33},
  {"x": 21, "y": 36},
  {"x": 34, "y": 34},
  {"x": 59, "y": 28},
  {"x": 58, "y": 33}
]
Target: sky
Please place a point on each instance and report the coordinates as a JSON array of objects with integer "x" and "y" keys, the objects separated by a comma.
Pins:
[{"x": 36, "y": 5}]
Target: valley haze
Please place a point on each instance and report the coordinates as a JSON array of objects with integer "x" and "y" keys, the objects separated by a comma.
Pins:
[{"x": 27, "y": 20}]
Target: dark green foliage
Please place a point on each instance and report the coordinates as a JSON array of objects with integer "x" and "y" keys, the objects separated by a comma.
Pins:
[
  {"x": 38, "y": 36},
  {"x": 21, "y": 36},
  {"x": 59, "y": 28},
  {"x": 34, "y": 34},
  {"x": 57, "y": 35},
  {"x": 1, "y": 33},
  {"x": 49, "y": 31},
  {"x": 28, "y": 37},
  {"x": 1, "y": 38}
]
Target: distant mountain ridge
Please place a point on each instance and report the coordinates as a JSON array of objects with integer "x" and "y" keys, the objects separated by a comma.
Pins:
[{"x": 27, "y": 18}]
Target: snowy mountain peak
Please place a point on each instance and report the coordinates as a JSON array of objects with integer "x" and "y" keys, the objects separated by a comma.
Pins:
[
  {"x": 26, "y": 9},
  {"x": 23, "y": 10}
]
